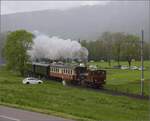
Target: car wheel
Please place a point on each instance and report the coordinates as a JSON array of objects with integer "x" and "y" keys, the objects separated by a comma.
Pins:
[{"x": 27, "y": 83}]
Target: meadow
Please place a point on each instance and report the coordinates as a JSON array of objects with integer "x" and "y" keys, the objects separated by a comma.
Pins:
[
  {"x": 126, "y": 80},
  {"x": 70, "y": 102}
]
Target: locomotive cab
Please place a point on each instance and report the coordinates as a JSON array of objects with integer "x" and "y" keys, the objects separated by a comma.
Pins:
[
  {"x": 81, "y": 73},
  {"x": 97, "y": 77}
]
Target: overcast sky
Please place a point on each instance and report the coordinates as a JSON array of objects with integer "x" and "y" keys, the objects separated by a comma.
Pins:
[{"x": 9, "y": 7}]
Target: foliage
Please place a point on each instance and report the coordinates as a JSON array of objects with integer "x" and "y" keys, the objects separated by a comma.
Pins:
[
  {"x": 131, "y": 48},
  {"x": 116, "y": 46},
  {"x": 15, "y": 49}
]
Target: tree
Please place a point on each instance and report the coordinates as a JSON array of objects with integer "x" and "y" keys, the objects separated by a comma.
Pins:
[
  {"x": 146, "y": 50},
  {"x": 131, "y": 48},
  {"x": 2, "y": 42},
  {"x": 107, "y": 39},
  {"x": 15, "y": 50},
  {"x": 118, "y": 39}
]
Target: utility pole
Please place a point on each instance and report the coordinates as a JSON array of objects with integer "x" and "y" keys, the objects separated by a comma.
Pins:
[{"x": 142, "y": 65}]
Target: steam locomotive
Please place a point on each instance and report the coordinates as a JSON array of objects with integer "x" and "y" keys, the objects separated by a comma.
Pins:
[{"x": 74, "y": 74}]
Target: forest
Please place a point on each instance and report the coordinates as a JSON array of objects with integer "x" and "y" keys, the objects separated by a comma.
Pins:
[{"x": 117, "y": 46}]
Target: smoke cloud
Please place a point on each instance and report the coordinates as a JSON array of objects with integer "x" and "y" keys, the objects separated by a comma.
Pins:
[{"x": 56, "y": 48}]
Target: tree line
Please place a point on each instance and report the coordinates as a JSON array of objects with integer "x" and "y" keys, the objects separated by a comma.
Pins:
[{"x": 117, "y": 46}]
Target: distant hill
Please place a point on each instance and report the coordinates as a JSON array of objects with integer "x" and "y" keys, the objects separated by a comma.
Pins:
[{"x": 86, "y": 22}]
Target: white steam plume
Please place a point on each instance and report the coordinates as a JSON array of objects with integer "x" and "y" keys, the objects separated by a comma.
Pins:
[{"x": 55, "y": 48}]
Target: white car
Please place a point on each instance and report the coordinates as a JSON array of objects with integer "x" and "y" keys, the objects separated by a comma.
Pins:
[
  {"x": 124, "y": 67},
  {"x": 31, "y": 80},
  {"x": 140, "y": 68},
  {"x": 134, "y": 68}
]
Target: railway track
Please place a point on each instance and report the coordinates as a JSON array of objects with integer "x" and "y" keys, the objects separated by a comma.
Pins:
[
  {"x": 115, "y": 93},
  {"x": 119, "y": 93}
]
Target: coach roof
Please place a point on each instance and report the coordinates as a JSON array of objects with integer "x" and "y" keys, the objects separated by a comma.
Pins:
[{"x": 63, "y": 66}]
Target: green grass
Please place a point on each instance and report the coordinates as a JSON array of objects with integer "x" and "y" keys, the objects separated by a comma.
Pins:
[
  {"x": 70, "y": 102},
  {"x": 126, "y": 80}
]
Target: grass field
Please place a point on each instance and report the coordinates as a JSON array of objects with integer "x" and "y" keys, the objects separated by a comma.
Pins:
[
  {"x": 126, "y": 80},
  {"x": 70, "y": 102}
]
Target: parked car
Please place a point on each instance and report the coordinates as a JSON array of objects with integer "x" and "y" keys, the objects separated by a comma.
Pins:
[
  {"x": 31, "y": 80},
  {"x": 91, "y": 61},
  {"x": 124, "y": 67},
  {"x": 93, "y": 67},
  {"x": 134, "y": 68},
  {"x": 140, "y": 68},
  {"x": 117, "y": 67}
]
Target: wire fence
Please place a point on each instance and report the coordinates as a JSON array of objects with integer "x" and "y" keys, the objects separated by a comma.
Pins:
[{"x": 126, "y": 91}]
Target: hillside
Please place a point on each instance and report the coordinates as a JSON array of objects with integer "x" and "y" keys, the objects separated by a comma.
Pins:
[{"x": 86, "y": 22}]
